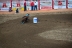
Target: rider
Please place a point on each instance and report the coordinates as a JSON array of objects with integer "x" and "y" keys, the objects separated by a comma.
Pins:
[{"x": 27, "y": 15}]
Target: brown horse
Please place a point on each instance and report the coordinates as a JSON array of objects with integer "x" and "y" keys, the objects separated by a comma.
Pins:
[{"x": 25, "y": 19}]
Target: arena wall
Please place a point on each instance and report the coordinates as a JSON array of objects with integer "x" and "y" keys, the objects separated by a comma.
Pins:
[{"x": 42, "y": 4}]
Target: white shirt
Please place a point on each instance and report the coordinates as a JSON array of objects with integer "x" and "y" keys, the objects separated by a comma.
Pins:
[{"x": 35, "y": 3}]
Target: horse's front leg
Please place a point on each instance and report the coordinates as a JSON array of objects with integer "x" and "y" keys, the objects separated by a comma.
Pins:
[{"x": 23, "y": 21}]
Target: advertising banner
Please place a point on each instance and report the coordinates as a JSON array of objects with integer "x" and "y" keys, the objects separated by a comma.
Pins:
[
  {"x": 14, "y": 5},
  {"x": 8, "y": 4},
  {"x": 59, "y": 4},
  {"x": 18, "y": 4},
  {"x": 4, "y": 9},
  {"x": 45, "y": 4},
  {"x": 1, "y": 5},
  {"x": 69, "y": 3},
  {"x": 4, "y": 6}
]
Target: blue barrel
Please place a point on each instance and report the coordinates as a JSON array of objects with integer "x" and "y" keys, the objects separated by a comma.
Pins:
[{"x": 35, "y": 20}]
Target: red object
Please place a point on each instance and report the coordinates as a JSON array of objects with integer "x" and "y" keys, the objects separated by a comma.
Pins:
[
  {"x": 67, "y": 4},
  {"x": 60, "y": 3},
  {"x": 52, "y": 4},
  {"x": 24, "y": 3},
  {"x": 11, "y": 3},
  {"x": 32, "y": 4},
  {"x": 18, "y": 4},
  {"x": 4, "y": 5},
  {"x": 46, "y": 7},
  {"x": 39, "y": 4}
]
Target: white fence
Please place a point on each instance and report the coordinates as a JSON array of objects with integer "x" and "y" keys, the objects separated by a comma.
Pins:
[{"x": 44, "y": 4}]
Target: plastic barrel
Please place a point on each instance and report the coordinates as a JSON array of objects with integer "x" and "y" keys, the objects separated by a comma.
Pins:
[{"x": 35, "y": 20}]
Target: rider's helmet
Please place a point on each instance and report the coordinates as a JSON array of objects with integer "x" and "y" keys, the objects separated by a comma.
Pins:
[{"x": 27, "y": 14}]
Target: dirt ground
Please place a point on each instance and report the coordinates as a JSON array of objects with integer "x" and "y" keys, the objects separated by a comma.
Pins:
[
  {"x": 13, "y": 34},
  {"x": 6, "y": 16},
  {"x": 38, "y": 11}
]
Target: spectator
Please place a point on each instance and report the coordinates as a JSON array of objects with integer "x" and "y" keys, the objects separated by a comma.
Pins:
[
  {"x": 17, "y": 11},
  {"x": 25, "y": 6},
  {"x": 35, "y": 5},
  {"x": 59, "y": 4},
  {"x": 32, "y": 5}
]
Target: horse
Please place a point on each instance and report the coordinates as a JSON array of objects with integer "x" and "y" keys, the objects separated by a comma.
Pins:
[{"x": 25, "y": 19}]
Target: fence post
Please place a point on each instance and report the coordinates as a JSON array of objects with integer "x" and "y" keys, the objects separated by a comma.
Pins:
[
  {"x": 52, "y": 4},
  {"x": 11, "y": 3},
  {"x": 39, "y": 4},
  {"x": 66, "y": 4}
]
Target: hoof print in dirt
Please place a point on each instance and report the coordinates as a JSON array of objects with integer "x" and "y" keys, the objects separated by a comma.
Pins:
[
  {"x": 57, "y": 21},
  {"x": 45, "y": 20},
  {"x": 60, "y": 22},
  {"x": 65, "y": 22},
  {"x": 68, "y": 26}
]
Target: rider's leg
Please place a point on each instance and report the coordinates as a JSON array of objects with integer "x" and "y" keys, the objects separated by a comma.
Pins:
[{"x": 26, "y": 19}]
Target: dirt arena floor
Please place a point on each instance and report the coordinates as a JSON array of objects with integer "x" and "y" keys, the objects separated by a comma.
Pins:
[{"x": 53, "y": 30}]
